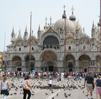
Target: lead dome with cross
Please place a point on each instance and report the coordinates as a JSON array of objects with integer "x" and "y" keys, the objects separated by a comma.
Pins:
[{"x": 71, "y": 23}]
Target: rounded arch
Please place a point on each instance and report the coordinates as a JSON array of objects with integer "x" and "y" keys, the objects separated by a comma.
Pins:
[
  {"x": 19, "y": 43},
  {"x": 49, "y": 61},
  {"x": 84, "y": 40},
  {"x": 46, "y": 50},
  {"x": 50, "y": 34},
  {"x": 67, "y": 55},
  {"x": 48, "y": 55},
  {"x": 84, "y": 63},
  {"x": 16, "y": 57},
  {"x": 51, "y": 40},
  {"x": 27, "y": 56},
  {"x": 16, "y": 61},
  {"x": 70, "y": 41},
  {"x": 70, "y": 61},
  {"x": 33, "y": 41},
  {"x": 82, "y": 55}
]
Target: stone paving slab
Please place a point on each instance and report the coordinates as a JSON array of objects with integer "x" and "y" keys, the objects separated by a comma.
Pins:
[{"x": 57, "y": 93}]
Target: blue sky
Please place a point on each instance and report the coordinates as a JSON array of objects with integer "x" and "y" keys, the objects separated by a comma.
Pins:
[{"x": 17, "y": 13}]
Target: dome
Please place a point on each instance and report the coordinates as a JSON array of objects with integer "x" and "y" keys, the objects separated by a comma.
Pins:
[
  {"x": 72, "y": 17},
  {"x": 79, "y": 26},
  {"x": 60, "y": 24}
]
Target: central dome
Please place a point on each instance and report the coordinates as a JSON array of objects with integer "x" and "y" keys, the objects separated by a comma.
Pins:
[{"x": 60, "y": 24}]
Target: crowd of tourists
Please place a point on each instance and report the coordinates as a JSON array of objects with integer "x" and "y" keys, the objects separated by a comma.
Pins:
[{"x": 41, "y": 74}]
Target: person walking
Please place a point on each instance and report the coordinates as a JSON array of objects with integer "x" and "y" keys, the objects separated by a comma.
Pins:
[
  {"x": 90, "y": 82},
  {"x": 98, "y": 87},
  {"x": 5, "y": 87},
  {"x": 62, "y": 76},
  {"x": 50, "y": 82},
  {"x": 26, "y": 87}
]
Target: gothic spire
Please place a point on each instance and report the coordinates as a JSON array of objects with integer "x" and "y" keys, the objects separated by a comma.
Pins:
[
  {"x": 19, "y": 36},
  {"x": 26, "y": 29},
  {"x": 39, "y": 28},
  {"x": 13, "y": 30},
  {"x": 93, "y": 27}
]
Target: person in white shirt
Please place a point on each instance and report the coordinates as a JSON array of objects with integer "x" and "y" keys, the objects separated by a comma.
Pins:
[
  {"x": 62, "y": 76},
  {"x": 50, "y": 82},
  {"x": 5, "y": 87},
  {"x": 39, "y": 75}
]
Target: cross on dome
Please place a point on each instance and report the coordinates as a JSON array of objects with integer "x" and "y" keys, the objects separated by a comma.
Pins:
[
  {"x": 46, "y": 20},
  {"x": 50, "y": 20},
  {"x": 72, "y": 9},
  {"x": 64, "y": 7}
]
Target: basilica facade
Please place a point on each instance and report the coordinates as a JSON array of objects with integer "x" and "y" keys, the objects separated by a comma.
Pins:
[{"x": 60, "y": 46}]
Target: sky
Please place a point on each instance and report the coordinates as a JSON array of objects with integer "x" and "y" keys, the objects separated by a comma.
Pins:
[{"x": 16, "y": 13}]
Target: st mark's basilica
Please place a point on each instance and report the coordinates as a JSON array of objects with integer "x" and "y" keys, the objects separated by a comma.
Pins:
[{"x": 63, "y": 40}]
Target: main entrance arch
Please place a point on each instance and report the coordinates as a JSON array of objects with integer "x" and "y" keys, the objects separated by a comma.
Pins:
[
  {"x": 49, "y": 59},
  {"x": 50, "y": 65}
]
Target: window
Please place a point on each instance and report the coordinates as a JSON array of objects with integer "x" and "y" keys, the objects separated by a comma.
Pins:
[
  {"x": 69, "y": 48},
  {"x": 84, "y": 47},
  {"x": 19, "y": 49},
  {"x": 32, "y": 48}
]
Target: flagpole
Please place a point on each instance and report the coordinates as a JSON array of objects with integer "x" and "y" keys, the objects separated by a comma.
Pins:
[{"x": 30, "y": 41}]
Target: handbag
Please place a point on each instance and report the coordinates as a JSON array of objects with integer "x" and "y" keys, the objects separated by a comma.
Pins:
[{"x": 26, "y": 87}]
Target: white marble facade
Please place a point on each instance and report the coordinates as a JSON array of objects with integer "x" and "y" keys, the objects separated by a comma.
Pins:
[{"x": 58, "y": 47}]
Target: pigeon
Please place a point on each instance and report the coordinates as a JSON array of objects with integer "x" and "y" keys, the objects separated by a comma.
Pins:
[{"x": 46, "y": 93}]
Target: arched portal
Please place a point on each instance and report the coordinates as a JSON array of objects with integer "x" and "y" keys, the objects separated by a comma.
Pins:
[
  {"x": 84, "y": 63},
  {"x": 49, "y": 61},
  {"x": 70, "y": 63},
  {"x": 30, "y": 63},
  {"x": 50, "y": 66},
  {"x": 17, "y": 62}
]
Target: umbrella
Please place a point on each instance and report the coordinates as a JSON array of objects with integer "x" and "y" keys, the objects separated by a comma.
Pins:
[{"x": 33, "y": 71}]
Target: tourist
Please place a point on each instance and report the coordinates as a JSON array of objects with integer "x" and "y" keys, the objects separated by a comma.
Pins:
[
  {"x": 21, "y": 74},
  {"x": 62, "y": 76},
  {"x": 90, "y": 82},
  {"x": 58, "y": 76},
  {"x": 50, "y": 82},
  {"x": 69, "y": 76},
  {"x": 5, "y": 87},
  {"x": 26, "y": 88},
  {"x": 3, "y": 73},
  {"x": 98, "y": 87}
]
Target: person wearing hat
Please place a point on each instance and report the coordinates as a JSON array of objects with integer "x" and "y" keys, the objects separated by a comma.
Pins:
[{"x": 98, "y": 87}]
